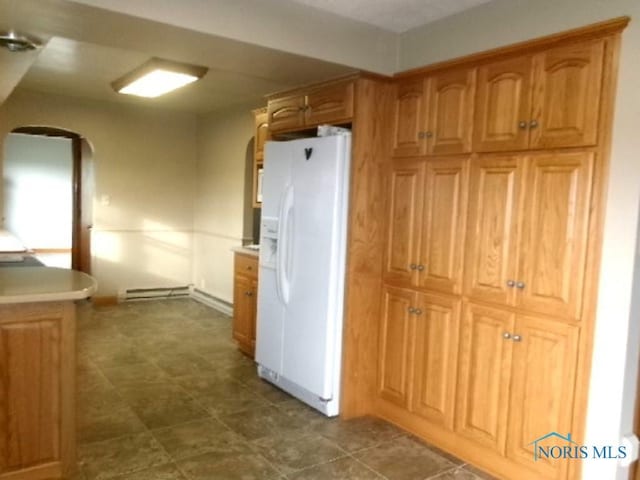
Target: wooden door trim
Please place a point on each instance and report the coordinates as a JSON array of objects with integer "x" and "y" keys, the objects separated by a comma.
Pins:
[{"x": 80, "y": 248}]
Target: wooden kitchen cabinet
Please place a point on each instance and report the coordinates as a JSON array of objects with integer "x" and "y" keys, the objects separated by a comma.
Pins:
[
  {"x": 396, "y": 345},
  {"x": 418, "y": 345},
  {"x": 515, "y": 383},
  {"x": 245, "y": 296},
  {"x": 547, "y": 100},
  {"x": 409, "y": 118},
  {"x": 434, "y": 115},
  {"x": 37, "y": 388},
  {"x": 485, "y": 371},
  {"x": 435, "y": 358},
  {"x": 260, "y": 137},
  {"x": 261, "y": 133},
  {"x": 330, "y": 103},
  {"x": 426, "y": 217},
  {"x": 528, "y": 231}
]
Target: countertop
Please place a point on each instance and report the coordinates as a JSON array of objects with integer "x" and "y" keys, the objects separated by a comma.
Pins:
[
  {"x": 247, "y": 251},
  {"x": 44, "y": 284}
]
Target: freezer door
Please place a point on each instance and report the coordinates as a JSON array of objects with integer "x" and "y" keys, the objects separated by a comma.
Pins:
[
  {"x": 271, "y": 309},
  {"x": 315, "y": 236}
]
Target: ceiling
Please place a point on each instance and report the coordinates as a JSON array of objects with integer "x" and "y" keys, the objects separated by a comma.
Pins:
[
  {"x": 86, "y": 48},
  {"x": 394, "y": 15}
]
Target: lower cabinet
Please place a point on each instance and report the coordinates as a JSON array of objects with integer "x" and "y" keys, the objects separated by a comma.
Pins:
[
  {"x": 418, "y": 346},
  {"x": 37, "y": 391},
  {"x": 245, "y": 296},
  {"x": 486, "y": 378}
]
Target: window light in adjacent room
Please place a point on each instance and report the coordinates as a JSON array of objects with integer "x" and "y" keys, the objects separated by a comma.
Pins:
[{"x": 157, "y": 77}]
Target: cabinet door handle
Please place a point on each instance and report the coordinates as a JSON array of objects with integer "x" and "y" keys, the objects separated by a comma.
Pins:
[
  {"x": 533, "y": 124},
  {"x": 517, "y": 338},
  {"x": 411, "y": 310},
  {"x": 522, "y": 125},
  {"x": 511, "y": 283},
  {"x": 249, "y": 294},
  {"x": 413, "y": 266},
  {"x": 418, "y": 311},
  {"x": 506, "y": 335},
  {"x": 520, "y": 285},
  {"x": 420, "y": 268}
]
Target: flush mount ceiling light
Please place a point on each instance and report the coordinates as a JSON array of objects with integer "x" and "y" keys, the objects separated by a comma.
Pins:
[
  {"x": 16, "y": 42},
  {"x": 157, "y": 77}
]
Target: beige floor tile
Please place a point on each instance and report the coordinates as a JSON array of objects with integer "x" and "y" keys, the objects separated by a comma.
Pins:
[
  {"x": 120, "y": 456},
  {"x": 404, "y": 459},
  {"x": 297, "y": 451},
  {"x": 199, "y": 437},
  {"x": 342, "y": 469},
  {"x": 210, "y": 466}
]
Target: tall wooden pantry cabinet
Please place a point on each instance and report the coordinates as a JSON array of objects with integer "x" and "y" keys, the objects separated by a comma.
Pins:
[{"x": 494, "y": 200}]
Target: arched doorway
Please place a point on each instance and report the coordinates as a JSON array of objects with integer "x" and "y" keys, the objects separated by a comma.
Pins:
[{"x": 82, "y": 185}]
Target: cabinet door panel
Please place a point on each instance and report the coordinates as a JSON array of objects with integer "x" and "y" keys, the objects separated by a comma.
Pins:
[
  {"x": 396, "y": 345},
  {"x": 285, "y": 113},
  {"x": 331, "y": 104},
  {"x": 443, "y": 219},
  {"x": 490, "y": 255},
  {"x": 244, "y": 311},
  {"x": 503, "y": 106},
  {"x": 409, "y": 121},
  {"x": 483, "y": 383},
  {"x": 542, "y": 390},
  {"x": 450, "y": 112},
  {"x": 403, "y": 215},
  {"x": 30, "y": 393},
  {"x": 554, "y": 238},
  {"x": 566, "y": 97},
  {"x": 435, "y": 364}
]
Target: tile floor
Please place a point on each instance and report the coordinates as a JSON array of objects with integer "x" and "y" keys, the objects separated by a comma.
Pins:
[{"x": 163, "y": 394}]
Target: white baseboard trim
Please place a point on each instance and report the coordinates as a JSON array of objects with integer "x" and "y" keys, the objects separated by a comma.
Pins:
[{"x": 211, "y": 301}]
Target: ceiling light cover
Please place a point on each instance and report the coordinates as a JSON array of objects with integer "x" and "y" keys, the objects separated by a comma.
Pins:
[{"x": 157, "y": 77}]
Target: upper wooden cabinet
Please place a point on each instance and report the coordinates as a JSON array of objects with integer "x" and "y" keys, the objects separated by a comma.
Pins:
[
  {"x": 260, "y": 137},
  {"x": 434, "y": 116},
  {"x": 410, "y": 98},
  {"x": 261, "y": 132},
  {"x": 425, "y": 221},
  {"x": 528, "y": 231},
  {"x": 547, "y": 100},
  {"x": 450, "y": 112},
  {"x": 325, "y": 103}
]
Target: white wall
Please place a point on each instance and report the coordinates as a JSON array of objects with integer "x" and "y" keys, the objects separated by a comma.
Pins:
[
  {"x": 221, "y": 208},
  {"x": 38, "y": 183},
  {"x": 278, "y": 24},
  {"x": 145, "y": 163},
  {"x": 615, "y": 356}
]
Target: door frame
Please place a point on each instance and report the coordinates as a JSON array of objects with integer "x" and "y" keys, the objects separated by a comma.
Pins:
[{"x": 82, "y": 198}]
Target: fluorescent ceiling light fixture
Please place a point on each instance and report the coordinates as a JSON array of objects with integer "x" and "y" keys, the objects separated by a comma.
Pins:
[{"x": 157, "y": 77}]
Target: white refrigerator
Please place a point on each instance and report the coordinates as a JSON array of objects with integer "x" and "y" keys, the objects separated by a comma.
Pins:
[{"x": 302, "y": 267}]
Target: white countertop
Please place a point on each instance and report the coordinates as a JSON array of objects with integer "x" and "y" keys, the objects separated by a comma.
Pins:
[
  {"x": 43, "y": 284},
  {"x": 247, "y": 251}
]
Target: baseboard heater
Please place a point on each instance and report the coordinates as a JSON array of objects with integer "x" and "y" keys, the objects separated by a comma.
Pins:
[
  {"x": 155, "y": 293},
  {"x": 211, "y": 301}
]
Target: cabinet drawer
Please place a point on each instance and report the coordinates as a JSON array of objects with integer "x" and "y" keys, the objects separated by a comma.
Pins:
[{"x": 246, "y": 265}]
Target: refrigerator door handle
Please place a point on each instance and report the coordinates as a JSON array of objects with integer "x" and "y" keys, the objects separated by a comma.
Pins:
[{"x": 282, "y": 279}]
